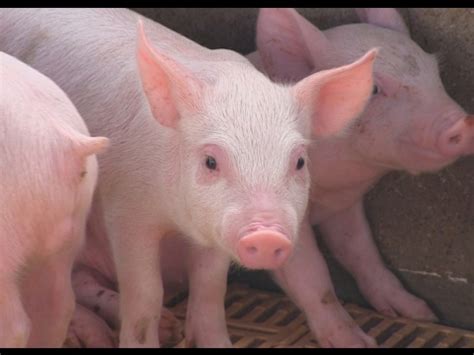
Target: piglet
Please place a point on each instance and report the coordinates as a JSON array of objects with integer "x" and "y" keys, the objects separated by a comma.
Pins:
[
  {"x": 206, "y": 152},
  {"x": 48, "y": 172},
  {"x": 410, "y": 123}
]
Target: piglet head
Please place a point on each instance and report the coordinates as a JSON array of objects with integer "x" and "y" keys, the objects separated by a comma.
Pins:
[
  {"x": 239, "y": 143},
  {"x": 423, "y": 128},
  {"x": 410, "y": 123}
]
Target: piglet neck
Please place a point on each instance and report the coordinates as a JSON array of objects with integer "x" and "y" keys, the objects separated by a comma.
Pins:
[
  {"x": 336, "y": 164},
  {"x": 170, "y": 178}
]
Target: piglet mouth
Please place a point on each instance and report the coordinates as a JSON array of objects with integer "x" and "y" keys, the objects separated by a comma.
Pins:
[
  {"x": 263, "y": 246},
  {"x": 424, "y": 159}
]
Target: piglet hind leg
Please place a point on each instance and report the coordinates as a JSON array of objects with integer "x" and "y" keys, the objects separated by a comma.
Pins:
[
  {"x": 15, "y": 324},
  {"x": 49, "y": 300},
  {"x": 95, "y": 295},
  {"x": 88, "y": 330},
  {"x": 305, "y": 278},
  {"x": 205, "y": 318},
  {"x": 348, "y": 236}
]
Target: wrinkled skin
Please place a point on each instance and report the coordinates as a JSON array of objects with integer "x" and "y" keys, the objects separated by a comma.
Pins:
[
  {"x": 48, "y": 172},
  {"x": 410, "y": 124},
  {"x": 205, "y": 150}
]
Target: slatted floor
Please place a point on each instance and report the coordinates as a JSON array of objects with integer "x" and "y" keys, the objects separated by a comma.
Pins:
[{"x": 260, "y": 319}]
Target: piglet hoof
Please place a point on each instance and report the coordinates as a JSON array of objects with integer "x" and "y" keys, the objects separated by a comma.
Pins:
[
  {"x": 347, "y": 337},
  {"x": 337, "y": 329},
  {"x": 387, "y": 296},
  {"x": 72, "y": 340},
  {"x": 207, "y": 338},
  {"x": 409, "y": 306},
  {"x": 171, "y": 330}
]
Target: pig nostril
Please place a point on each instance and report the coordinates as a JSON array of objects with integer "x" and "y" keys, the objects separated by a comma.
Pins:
[
  {"x": 455, "y": 139},
  {"x": 252, "y": 250},
  {"x": 278, "y": 252},
  {"x": 470, "y": 120}
]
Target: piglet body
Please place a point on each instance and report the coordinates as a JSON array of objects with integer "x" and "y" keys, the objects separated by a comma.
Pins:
[
  {"x": 409, "y": 124},
  {"x": 48, "y": 172},
  {"x": 203, "y": 146}
]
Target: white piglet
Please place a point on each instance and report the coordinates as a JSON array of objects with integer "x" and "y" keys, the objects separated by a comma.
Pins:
[
  {"x": 48, "y": 172},
  {"x": 202, "y": 145}
]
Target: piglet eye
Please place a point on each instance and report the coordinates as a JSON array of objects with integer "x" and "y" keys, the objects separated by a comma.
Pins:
[
  {"x": 375, "y": 90},
  {"x": 211, "y": 163},
  {"x": 300, "y": 163}
]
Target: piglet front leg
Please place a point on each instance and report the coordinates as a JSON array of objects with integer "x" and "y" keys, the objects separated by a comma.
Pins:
[
  {"x": 205, "y": 319},
  {"x": 94, "y": 292},
  {"x": 136, "y": 252},
  {"x": 348, "y": 236},
  {"x": 15, "y": 326},
  {"x": 305, "y": 278}
]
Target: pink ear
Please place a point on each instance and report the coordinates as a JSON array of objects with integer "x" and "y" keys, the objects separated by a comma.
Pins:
[
  {"x": 337, "y": 96},
  {"x": 287, "y": 43},
  {"x": 167, "y": 85},
  {"x": 388, "y": 18}
]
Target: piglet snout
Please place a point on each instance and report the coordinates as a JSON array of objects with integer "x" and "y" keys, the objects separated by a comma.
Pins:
[
  {"x": 264, "y": 249},
  {"x": 470, "y": 120},
  {"x": 458, "y": 139}
]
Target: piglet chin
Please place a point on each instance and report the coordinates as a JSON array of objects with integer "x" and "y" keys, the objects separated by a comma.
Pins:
[{"x": 264, "y": 249}]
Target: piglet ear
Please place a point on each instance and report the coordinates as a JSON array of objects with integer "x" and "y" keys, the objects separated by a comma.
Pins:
[
  {"x": 287, "y": 43},
  {"x": 337, "y": 96},
  {"x": 168, "y": 86},
  {"x": 388, "y": 18}
]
